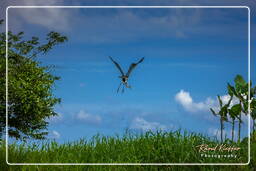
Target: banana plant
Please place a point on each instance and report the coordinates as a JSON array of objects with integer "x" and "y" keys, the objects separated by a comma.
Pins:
[
  {"x": 222, "y": 113},
  {"x": 253, "y": 114},
  {"x": 234, "y": 112},
  {"x": 240, "y": 90}
]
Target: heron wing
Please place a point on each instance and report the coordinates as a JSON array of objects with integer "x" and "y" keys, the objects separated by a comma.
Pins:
[
  {"x": 117, "y": 65},
  {"x": 132, "y": 66}
]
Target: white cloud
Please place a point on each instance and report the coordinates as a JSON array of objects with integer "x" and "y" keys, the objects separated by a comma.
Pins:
[
  {"x": 88, "y": 118},
  {"x": 56, "y": 119},
  {"x": 141, "y": 124},
  {"x": 215, "y": 132},
  {"x": 226, "y": 133},
  {"x": 127, "y": 25},
  {"x": 226, "y": 98},
  {"x": 186, "y": 101},
  {"x": 189, "y": 105},
  {"x": 55, "y": 134},
  {"x": 52, "y": 19},
  {"x": 124, "y": 25}
]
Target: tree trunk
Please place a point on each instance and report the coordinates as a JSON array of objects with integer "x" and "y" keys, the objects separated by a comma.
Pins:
[
  {"x": 233, "y": 128},
  {"x": 239, "y": 128},
  {"x": 221, "y": 129},
  {"x": 253, "y": 125}
]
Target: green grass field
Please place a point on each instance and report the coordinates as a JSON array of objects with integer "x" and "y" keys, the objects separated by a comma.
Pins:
[{"x": 158, "y": 147}]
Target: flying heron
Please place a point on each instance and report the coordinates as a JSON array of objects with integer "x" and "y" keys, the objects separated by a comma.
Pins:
[{"x": 124, "y": 77}]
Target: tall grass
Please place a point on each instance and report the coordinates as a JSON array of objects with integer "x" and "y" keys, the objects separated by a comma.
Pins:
[{"x": 149, "y": 147}]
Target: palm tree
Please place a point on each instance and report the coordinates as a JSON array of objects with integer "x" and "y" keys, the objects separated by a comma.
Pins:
[
  {"x": 223, "y": 111},
  {"x": 124, "y": 77}
]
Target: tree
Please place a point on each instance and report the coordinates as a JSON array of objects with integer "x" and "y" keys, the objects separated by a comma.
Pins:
[
  {"x": 253, "y": 114},
  {"x": 253, "y": 108},
  {"x": 240, "y": 90},
  {"x": 223, "y": 112},
  {"x": 234, "y": 112},
  {"x": 30, "y": 85}
]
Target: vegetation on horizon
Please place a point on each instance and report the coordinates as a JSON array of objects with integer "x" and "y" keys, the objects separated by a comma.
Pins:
[
  {"x": 235, "y": 111},
  {"x": 149, "y": 147}
]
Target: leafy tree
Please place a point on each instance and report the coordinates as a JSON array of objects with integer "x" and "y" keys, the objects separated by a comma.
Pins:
[
  {"x": 234, "y": 112},
  {"x": 253, "y": 108},
  {"x": 30, "y": 85},
  {"x": 253, "y": 114},
  {"x": 240, "y": 90},
  {"x": 223, "y": 114}
]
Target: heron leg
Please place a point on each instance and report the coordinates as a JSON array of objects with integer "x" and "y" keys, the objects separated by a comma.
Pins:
[
  {"x": 127, "y": 86},
  {"x": 119, "y": 87},
  {"x": 123, "y": 89}
]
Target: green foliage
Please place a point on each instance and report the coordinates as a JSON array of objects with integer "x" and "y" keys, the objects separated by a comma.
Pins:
[
  {"x": 231, "y": 90},
  {"x": 240, "y": 90},
  {"x": 235, "y": 111},
  {"x": 30, "y": 85},
  {"x": 149, "y": 147},
  {"x": 222, "y": 113},
  {"x": 253, "y": 108}
]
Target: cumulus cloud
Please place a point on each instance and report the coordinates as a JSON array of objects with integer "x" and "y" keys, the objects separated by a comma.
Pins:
[
  {"x": 202, "y": 108},
  {"x": 226, "y": 98},
  {"x": 187, "y": 102},
  {"x": 141, "y": 124},
  {"x": 88, "y": 118},
  {"x": 189, "y": 105}
]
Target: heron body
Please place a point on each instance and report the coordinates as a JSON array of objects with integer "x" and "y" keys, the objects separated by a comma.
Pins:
[
  {"x": 124, "y": 77},
  {"x": 125, "y": 81}
]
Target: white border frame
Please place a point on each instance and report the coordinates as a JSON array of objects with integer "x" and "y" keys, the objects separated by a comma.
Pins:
[{"x": 249, "y": 57}]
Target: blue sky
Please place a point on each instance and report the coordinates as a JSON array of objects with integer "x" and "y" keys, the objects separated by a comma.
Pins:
[{"x": 190, "y": 56}]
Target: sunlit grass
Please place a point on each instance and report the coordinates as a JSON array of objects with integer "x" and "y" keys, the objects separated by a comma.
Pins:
[{"x": 149, "y": 147}]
